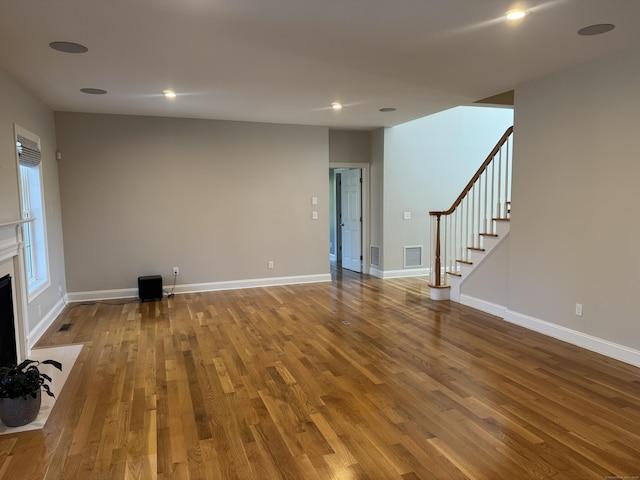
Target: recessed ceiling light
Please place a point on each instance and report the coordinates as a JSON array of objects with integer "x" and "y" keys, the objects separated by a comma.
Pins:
[
  {"x": 93, "y": 91},
  {"x": 336, "y": 106},
  {"x": 68, "y": 47},
  {"x": 516, "y": 14},
  {"x": 169, "y": 94},
  {"x": 597, "y": 29},
  {"x": 387, "y": 109}
]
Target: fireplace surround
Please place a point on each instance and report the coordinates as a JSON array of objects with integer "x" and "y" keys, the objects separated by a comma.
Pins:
[
  {"x": 12, "y": 265},
  {"x": 8, "y": 353}
]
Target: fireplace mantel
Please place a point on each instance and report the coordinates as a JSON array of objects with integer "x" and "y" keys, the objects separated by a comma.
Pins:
[
  {"x": 16, "y": 222},
  {"x": 11, "y": 238}
]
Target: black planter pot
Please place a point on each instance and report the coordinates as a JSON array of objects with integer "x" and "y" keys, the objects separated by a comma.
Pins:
[{"x": 16, "y": 412}]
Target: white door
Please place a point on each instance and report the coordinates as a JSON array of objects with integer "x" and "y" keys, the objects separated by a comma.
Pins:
[{"x": 351, "y": 219}]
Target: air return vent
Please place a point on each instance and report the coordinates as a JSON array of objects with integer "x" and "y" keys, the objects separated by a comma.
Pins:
[
  {"x": 375, "y": 256},
  {"x": 413, "y": 256}
]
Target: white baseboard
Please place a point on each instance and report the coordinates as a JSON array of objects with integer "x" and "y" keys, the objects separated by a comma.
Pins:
[
  {"x": 483, "y": 305},
  {"x": 42, "y": 326},
  {"x": 201, "y": 287},
  {"x": 407, "y": 272},
  {"x": 93, "y": 295},
  {"x": 376, "y": 272},
  {"x": 574, "y": 337}
]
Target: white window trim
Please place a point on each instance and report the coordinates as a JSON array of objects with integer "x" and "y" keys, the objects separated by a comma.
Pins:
[{"x": 39, "y": 225}]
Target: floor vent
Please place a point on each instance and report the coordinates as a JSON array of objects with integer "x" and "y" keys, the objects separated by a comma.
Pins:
[
  {"x": 375, "y": 256},
  {"x": 413, "y": 256},
  {"x": 65, "y": 327}
]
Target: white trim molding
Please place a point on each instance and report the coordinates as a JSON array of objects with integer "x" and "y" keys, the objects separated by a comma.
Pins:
[
  {"x": 408, "y": 272},
  {"x": 34, "y": 335},
  {"x": 12, "y": 263},
  {"x": 94, "y": 295},
  {"x": 483, "y": 305},
  {"x": 365, "y": 204},
  {"x": 376, "y": 272},
  {"x": 201, "y": 287},
  {"x": 574, "y": 337},
  {"x": 580, "y": 339}
]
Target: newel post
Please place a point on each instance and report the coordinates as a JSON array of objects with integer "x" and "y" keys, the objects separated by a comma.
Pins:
[
  {"x": 437, "y": 281},
  {"x": 438, "y": 291}
]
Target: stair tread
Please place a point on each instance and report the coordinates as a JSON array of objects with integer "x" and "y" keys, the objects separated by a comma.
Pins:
[
  {"x": 476, "y": 249},
  {"x": 501, "y": 219},
  {"x": 489, "y": 234},
  {"x": 455, "y": 274},
  {"x": 466, "y": 262}
]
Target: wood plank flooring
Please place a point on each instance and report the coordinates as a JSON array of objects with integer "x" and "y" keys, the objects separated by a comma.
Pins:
[{"x": 360, "y": 378}]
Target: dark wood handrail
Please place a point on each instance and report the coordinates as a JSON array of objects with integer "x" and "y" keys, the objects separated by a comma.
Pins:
[{"x": 482, "y": 168}]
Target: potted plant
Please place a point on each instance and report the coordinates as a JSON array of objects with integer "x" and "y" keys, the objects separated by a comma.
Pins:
[{"x": 20, "y": 387}]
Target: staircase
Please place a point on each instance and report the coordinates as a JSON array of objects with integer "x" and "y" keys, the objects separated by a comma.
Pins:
[{"x": 463, "y": 236}]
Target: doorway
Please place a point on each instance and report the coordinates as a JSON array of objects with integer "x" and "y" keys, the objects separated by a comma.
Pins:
[{"x": 348, "y": 224}]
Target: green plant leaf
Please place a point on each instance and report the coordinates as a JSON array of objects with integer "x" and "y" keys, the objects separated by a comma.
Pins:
[
  {"x": 25, "y": 379},
  {"x": 56, "y": 364}
]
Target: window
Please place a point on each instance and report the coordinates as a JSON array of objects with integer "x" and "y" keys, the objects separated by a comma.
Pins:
[
  {"x": 27, "y": 213},
  {"x": 32, "y": 205}
]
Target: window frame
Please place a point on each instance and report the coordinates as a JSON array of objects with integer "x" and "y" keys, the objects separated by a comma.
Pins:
[{"x": 31, "y": 184}]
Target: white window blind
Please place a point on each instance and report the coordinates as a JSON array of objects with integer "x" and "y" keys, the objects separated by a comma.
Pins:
[{"x": 28, "y": 152}]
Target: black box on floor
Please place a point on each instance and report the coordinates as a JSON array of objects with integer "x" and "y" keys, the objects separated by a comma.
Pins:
[{"x": 150, "y": 288}]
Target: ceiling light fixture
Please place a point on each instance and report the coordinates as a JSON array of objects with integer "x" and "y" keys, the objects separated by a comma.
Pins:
[
  {"x": 387, "y": 110},
  {"x": 597, "y": 29},
  {"x": 93, "y": 91},
  {"x": 68, "y": 47},
  {"x": 169, "y": 94},
  {"x": 516, "y": 14},
  {"x": 336, "y": 106}
]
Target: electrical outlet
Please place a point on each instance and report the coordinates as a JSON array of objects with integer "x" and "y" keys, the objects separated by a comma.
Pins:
[
  {"x": 270, "y": 264},
  {"x": 579, "y": 309},
  {"x": 176, "y": 271},
  {"x": 60, "y": 289}
]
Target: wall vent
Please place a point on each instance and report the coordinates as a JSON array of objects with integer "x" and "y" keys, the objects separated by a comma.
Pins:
[
  {"x": 375, "y": 256},
  {"x": 413, "y": 256}
]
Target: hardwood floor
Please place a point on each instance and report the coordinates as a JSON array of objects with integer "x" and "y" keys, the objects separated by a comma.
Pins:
[{"x": 356, "y": 379}]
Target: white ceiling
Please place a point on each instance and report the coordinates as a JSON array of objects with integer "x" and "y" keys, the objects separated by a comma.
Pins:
[{"x": 286, "y": 61}]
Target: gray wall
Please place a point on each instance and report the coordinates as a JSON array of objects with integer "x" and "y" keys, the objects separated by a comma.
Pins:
[
  {"x": 18, "y": 105},
  {"x": 489, "y": 281},
  {"x": 574, "y": 229},
  {"x": 347, "y": 147},
  {"x": 377, "y": 195},
  {"x": 217, "y": 199},
  {"x": 427, "y": 163}
]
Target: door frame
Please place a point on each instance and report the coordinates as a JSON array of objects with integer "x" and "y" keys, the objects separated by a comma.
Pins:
[{"x": 364, "y": 204}]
